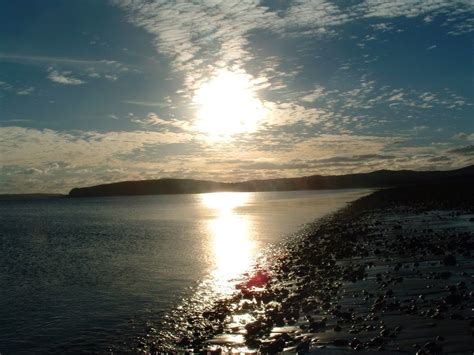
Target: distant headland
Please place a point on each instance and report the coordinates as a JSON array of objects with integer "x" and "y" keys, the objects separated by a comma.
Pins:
[{"x": 375, "y": 179}]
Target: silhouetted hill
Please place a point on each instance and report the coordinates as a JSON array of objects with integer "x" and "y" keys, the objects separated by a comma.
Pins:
[
  {"x": 149, "y": 187},
  {"x": 380, "y": 178}
]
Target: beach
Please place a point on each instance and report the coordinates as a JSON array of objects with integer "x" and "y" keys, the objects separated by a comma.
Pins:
[{"x": 391, "y": 272}]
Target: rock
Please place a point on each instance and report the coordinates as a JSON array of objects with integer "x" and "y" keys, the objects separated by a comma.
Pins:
[
  {"x": 340, "y": 342},
  {"x": 317, "y": 326},
  {"x": 355, "y": 343},
  {"x": 433, "y": 347},
  {"x": 377, "y": 341},
  {"x": 449, "y": 260},
  {"x": 303, "y": 347},
  {"x": 453, "y": 299}
]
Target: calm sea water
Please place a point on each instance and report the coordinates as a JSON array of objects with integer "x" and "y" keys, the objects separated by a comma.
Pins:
[{"x": 84, "y": 274}]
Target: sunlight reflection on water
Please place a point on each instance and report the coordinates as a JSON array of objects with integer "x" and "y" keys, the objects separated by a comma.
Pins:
[{"x": 231, "y": 238}]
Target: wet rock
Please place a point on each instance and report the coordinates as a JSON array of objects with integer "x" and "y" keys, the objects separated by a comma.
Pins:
[
  {"x": 303, "y": 347},
  {"x": 273, "y": 347},
  {"x": 317, "y": 326},
  {"x": 433, "y": 348},
  {"x": 453, "y": 299},
  {"x": 449, "y": 260},
  {"x": 355, "y": 344},
  {"x": 253, "y": 343},
  {"x": 340, "y": 342}
]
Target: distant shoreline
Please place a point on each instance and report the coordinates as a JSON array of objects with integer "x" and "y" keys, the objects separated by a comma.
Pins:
[
  {"x": 35, "y": 196},
  {"x": 375, "y": 179}
]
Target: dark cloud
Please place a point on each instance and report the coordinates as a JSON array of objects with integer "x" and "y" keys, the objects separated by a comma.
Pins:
[
  {"x": 467, "y": 150},
  {"x": 158, "y": 152},
  {"x": 439, "y": 159},
  {"x": 355, "y": 158},
  {"x": 298, "y": 164},
  {"x": 274, "y": 166}
]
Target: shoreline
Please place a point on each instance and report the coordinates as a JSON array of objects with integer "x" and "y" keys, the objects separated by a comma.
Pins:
[{"x": 390, "y": 272}]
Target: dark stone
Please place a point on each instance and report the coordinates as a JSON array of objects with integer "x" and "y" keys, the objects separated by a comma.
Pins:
[
  {"x": 303, "y": 347},
  {"x": 340, "y": 342},
  {"x": 449, "y": 260},
  {"x": 433, "y": 347},
  {"x": 317, "y": 326}
]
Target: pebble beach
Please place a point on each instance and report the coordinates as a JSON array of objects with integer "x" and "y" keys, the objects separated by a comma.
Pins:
[{"x": 392, "y": 272}]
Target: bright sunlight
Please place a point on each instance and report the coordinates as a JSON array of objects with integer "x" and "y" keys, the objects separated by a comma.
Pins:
[
  {"x": 231, "y": 235},
  {"x": 227, "y": 105}
]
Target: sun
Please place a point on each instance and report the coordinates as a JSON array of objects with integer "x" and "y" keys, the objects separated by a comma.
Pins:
[{"x": 227, "y": 105}]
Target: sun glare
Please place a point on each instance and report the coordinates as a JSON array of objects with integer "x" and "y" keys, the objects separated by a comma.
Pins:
[
  {"x": 230, "y": 236},
  {"x": 224, "y": 201},
  {"x": 227, "y": 105}
]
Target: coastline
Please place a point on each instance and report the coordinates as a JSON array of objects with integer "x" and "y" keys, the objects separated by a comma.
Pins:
[{"x": 390, "y": 272}]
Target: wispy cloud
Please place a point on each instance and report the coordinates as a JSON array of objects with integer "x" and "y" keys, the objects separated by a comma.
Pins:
[
  {"x": 467, "y": 150},
  {"x": 47, "y": 60},
  {"x": 201, "y": 37},
  {"x": 25, "y": 90},
  {"x": 195, "y": 34},
  {"x": 90, "y": 157},
  {"x": 61, "y": 67},
  {"x": 153, "y": 120},
  {"x": 64, "y": 78},
  {"x": 464, "y": 136},
  {"x": 146, "y": 103},
  {"x": 17, "y": 89}
]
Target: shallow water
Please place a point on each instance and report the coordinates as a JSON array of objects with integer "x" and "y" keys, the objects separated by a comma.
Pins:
[{"x": 84, "y": 274}]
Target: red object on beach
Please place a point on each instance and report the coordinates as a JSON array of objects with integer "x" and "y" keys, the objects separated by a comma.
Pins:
[{"x": 258, "y": 280}]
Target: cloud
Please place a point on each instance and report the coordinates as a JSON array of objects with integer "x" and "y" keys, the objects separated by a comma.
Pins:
[
  {"x": 60, "y": 68},
  {"x": 19, "y": 90},
  {"x": 202, "y": 37},
  {"x": 48, "y": 160},
  {"x": 16, "y": 120},
  {"x": 313, "y": 95},
  {"x": 25, "y": 90},
  {"x": 64, "y": 78},
  {"x": 66, "y": 62},
  {"x": 467, "y": 150},
  {"x": 77, "y": 158},
  {"x": 383, "y": 26},
  {"x": 28, "y": 146},
  {"x": 33, "y": 171},
  {"x": 298, "y": 164},
  {"x": 410, "y": 8},
  {"x": 145, "y": 103},
  {"x": 187, "y": 32},
  {"x": 197, "y": 34},
  {"x": 464, "y": 136},
  {"x": 47, "y": 60},
  {"x": 462, "y": 28},
  {"x": 5, "y": 86},
  {"x": 152, "y": 119}
]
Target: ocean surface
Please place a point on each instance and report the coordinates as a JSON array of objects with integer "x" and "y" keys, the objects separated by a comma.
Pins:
[{"x": 83, "y": 275}]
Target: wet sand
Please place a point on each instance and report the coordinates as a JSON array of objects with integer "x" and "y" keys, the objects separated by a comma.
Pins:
[{"x": 392, "y": 272}]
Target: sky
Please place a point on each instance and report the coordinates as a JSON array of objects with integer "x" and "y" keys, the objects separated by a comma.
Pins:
[{"x": 96, "y": 91}]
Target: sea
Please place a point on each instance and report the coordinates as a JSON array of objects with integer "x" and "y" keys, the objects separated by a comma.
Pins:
[{"x": 85, "y": 274}]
